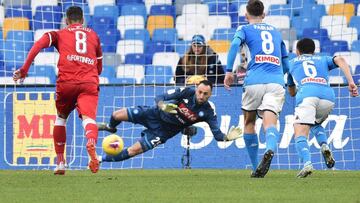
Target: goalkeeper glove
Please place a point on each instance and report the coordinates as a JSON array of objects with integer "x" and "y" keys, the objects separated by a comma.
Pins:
[
  {"x": 169, "y": 108},
  {"x": 233, "y": 134}
]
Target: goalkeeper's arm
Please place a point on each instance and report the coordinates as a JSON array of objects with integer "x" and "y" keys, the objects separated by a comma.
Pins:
[{"x": 233, "y": 134}]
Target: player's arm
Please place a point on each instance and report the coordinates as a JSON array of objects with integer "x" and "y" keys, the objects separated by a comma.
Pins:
[
  {"x": 234, "y": 132},
  {"x": 167, "y": 101},
  {"x": 99, "y": 57},
  {"x": 284, "y": 58},
  {"x": 341, "y": 63},
  {"x": 45, "y": 41},
  {"x": 234, "y": 47},
  {"x": 291, "y": 85}
]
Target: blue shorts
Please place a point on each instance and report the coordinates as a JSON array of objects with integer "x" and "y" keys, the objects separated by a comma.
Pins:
[{"x": 157, "y": 132}]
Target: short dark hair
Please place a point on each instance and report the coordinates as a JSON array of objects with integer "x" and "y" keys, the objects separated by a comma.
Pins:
[
  {"x": 207, "y": 83},
  {"x": 255, "y": 8},
  {"x": 305, "y": 46},
  {"x": 74, "y": 14}
]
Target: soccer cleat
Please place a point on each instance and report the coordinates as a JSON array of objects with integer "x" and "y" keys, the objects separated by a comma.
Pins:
[
  {"x": 94, "y": 162},
  {"x": 106, "y": 127},
  {"x": 264, "y": 165},
  {"x": 328, "y": 157},
  {"x": 306, "y": 171},
  {"x": 60, "y": 169}
]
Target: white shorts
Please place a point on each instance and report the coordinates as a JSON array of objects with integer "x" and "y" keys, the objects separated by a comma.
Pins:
[
  {"x": 313, "y": 110},
  {"x": 262, "y": 97}
]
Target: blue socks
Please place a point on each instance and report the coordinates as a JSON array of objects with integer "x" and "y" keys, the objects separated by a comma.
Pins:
[
  {"x": 272, "y": 136},
  {"x": 252, "y": 146},
  {"x": 123, "y": 155},
  {"x": 302, "y": 148},
  {"x": 319, "y": 133}
]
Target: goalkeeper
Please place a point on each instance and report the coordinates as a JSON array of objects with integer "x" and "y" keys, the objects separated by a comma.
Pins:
[{"x": 174, "y": 112}]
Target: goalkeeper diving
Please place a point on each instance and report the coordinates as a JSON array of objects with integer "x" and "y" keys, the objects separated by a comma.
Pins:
[{"x": 174, "y": 111}]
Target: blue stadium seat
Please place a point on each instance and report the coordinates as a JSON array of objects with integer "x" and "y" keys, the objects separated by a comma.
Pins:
[
  {"x": 16, "y": 45},
  {"x": 20, "y": 35},
  {"x": 18, "y": 11},
  {"x": 165, "y": 34},
  {"x": 158, "y": 46},
  {"x": 123, "y": 81},
  {"x": 300, "y": 23},
  {"x": 109, "y": 39},
  {"x": 47, "y": 17},
  {"x": 134, "y": 9},
  {"x": 100, "y": 24},
  {"x": 357, "y": 70},
  {"x": 121, "y": 3},
  {"x": 108, "y": 72},
  {"x": 355, "y": 46},
  {"x": 138, "y": 34},
  {"x": 223, "y": 8},
  {"x": 182, "y": 46},
  {"x": 67, "y": 3},
  {"x": 158, "y": 74},
  {"x": 241, "y": 20},
  {"x": 297, "y": 5},
  {"x": 14, "y": 59},
  {"x": 107, "y": 11},
  {"x": 316, "y": 33},
  {"x": 334, "y": 46},
  {"x": 163, "y": 10},
  {"x": 285, "y": 9},
  {"x": 45, "y": 71},
  {"x": 314, "y": 11},
  {"x": 135, "y": 59},
  {"x": 223, "y": 34},
  {"x": 355, "y": 22}
]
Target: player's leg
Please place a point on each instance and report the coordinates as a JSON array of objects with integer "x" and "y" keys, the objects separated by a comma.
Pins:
[
  {"x": 301, "y": 132},
  {"x": 115, "y": 119},
  {"x": 251, "y": 138},
  {"x": 269, "y": 110},
  {"x": 322, "y": 112},
  {"x": 149, "y": 140},
  {"x": 64, "y": 105},
  {"x": 305, "y": 113},
  {"x": 251, "y": 100},
  {"x": 87, "y": 102}
]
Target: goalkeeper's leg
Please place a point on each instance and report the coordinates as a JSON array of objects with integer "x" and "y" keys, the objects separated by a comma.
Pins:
[
  {"x": 59, "y": 134},
  {"x": 115, "y": 119}
]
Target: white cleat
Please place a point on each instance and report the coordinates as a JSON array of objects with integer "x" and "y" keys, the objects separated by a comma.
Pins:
[
  {"x": 60, "y": 169},
  {"x": 328, "y": 156},
  {"x": 306, "y": 171}
]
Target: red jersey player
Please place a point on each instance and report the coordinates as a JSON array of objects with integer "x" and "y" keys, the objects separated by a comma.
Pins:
[{"x": 77, "y": 86}]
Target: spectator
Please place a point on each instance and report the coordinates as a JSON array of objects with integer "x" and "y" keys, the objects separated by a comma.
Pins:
[{"x": 200, "y": 62}]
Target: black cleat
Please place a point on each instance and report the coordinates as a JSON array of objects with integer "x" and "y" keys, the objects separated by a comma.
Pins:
[
  {"x": 264, "y": 165},
  {"x": 328, "y": 157},
  {"x": 106, "y": 127}
]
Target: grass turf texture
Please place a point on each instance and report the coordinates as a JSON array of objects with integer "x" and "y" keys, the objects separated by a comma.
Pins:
[{"x": 178, "y": 186}]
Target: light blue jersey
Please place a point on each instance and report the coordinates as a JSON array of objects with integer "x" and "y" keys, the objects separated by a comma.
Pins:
[
  {"x": 310, "y": 74},
  {"x": 267, "y": 52}
]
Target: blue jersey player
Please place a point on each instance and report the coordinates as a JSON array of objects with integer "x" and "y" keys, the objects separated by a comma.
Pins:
[
  {"x": 174, "y": 112},
  {"x": 315, "y": 99},
  {"x": 264, "y": 91}
]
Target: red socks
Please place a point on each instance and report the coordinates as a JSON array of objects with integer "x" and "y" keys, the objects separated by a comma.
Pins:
[
  {"x": 91, "y": 133},
  {"x": 59, "y": 134}
]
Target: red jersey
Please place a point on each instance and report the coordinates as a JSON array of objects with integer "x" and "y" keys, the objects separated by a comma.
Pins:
[{"x": 80, "y": 52}]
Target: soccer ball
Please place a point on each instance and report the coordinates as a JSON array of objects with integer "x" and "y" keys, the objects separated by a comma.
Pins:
[{"x": 112, "y": 144}]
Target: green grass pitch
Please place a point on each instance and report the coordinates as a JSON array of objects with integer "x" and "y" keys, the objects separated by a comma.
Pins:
[{"x": 179, "y": 186}]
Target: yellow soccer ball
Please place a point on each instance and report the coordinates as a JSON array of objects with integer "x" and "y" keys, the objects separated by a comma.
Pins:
[{"x": 112, "y": 144}]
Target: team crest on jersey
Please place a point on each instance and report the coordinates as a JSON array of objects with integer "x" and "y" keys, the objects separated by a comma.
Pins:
[{"x": 267, "y": 59}]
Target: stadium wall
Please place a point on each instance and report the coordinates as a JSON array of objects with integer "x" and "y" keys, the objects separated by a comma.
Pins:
[{"x": 28, "y": 118}]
